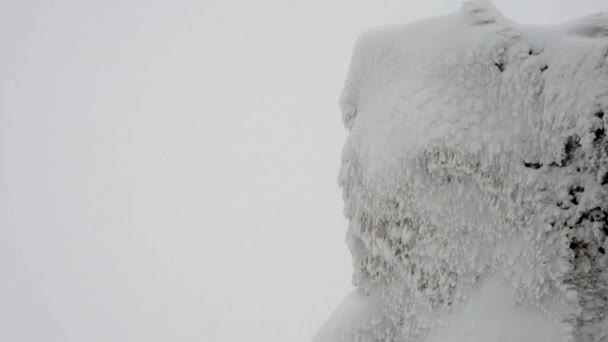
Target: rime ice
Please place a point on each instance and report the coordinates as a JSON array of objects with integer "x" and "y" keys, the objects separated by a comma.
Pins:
[{"x": 475, "y": 179}]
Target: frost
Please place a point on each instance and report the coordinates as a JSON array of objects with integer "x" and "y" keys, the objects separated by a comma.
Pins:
[{"x": 474, "y": 173}]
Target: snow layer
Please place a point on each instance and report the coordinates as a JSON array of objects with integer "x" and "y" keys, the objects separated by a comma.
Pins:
[{"x": 474, "y": 181}]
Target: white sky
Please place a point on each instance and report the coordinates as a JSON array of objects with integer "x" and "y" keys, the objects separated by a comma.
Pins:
[{"x": 168, "y": 169}]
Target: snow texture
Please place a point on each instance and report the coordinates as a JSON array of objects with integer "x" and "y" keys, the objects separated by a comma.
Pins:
[{"x": 475, "y": 181}]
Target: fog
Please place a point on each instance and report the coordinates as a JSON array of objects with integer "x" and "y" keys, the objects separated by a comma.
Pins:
[{"x": 168, "y": 169}]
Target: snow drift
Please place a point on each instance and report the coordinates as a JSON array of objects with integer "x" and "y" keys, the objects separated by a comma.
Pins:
[{"x": 475, "y": 181}]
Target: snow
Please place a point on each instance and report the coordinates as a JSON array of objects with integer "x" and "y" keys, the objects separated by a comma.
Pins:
[
  {"x": 492, "y": 315},
  {"x": 355, "y": 310},
  {"x": 473, "y": 181}
]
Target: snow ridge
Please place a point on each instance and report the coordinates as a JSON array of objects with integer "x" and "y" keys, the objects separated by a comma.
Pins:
[{"x": 477, "y": 150}]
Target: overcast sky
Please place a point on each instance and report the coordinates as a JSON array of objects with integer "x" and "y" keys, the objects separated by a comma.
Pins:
[{"x": 168, "y": 168}]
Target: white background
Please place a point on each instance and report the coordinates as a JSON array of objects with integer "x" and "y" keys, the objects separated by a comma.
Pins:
[{"x": 168, "y": 169}]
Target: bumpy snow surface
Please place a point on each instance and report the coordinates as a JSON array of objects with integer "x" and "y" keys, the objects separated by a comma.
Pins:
[{"x": 475, "y": 181}]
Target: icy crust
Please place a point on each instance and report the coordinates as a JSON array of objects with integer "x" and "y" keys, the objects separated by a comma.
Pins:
[{"x": 477, "y": 148}]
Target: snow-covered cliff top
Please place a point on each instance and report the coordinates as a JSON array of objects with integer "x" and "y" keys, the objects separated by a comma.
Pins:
[{"x": 474, "y": 181}]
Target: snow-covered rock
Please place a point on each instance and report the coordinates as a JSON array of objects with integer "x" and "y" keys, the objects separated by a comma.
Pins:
[{"x": 475, "y": 181}]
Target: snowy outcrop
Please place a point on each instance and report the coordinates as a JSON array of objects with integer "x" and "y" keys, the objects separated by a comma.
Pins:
[{"x": 475, "y": 181}]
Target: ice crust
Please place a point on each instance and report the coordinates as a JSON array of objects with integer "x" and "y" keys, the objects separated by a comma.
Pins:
[{"x": 477, "y": 151}]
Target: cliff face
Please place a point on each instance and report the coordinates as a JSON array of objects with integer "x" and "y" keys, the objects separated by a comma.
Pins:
[{"x": 475, "y": 181}]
